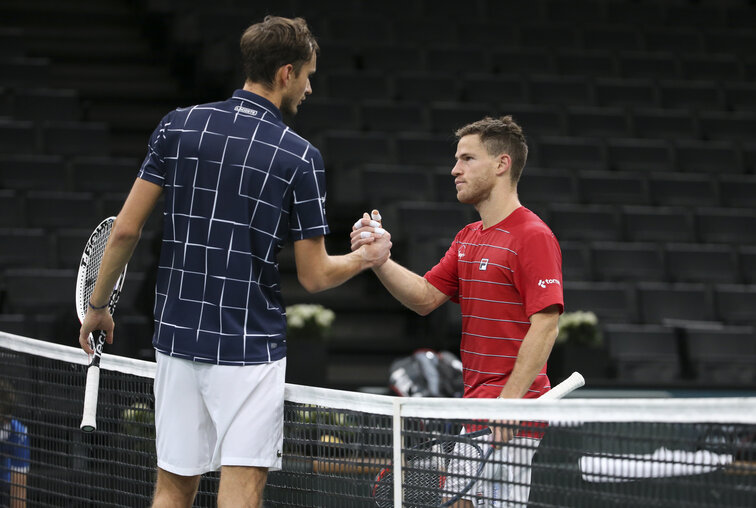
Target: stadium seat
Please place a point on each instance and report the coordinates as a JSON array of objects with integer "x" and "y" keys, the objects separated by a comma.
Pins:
[
  {"x": 576, "y": 261},
  {"x": 612, "y": 37},
  {"x": 582, "y": 63},
  {"x": 593, "y": 121},
  {"x": 423, "y": 220},
  {"x": 28, "y": 172},
  {"x": 676, "y": 40},
  {"x": 12, "y": 209},
  {"x": 391, "y": 57},
  {"x": 549, "y": 36},
  {"x": 571, "y": 153},
  {"x": 54, "y": 209},
  {"x": 535, "y": 120},
  {"x": 40, "y": 290},
  {"x": 447, "y": 117},
  {"x": 663, "y": 123},
  {"x": 643, "y": 353},
  {"x": 456, "y": 59},
  {"x": 319, "y": 114},
  {"x": 336, "y": 55},
  {"x": 634, "y": 13},
  {"x": 641, "y": 64},
  {"x": 17, "y": 136},
  {"x": 747, "y": 257},
  {"x": 354, "y": 28},
  {"x": 702, "y": 263},
  {"x": 493, "y": 89},
  {"x": 728, "y": 126},
  {"x": 658, "y": 224},
  {"x": 578, "y": 11},
  {"x": 539, "y": 185},
  {"x": 43, "y": 104},
  {"x": 585, "y": 222},
  {"x": 76, "y": 138},
  {"x": 673, "y": 303},
  {"x": 727, "y": 225},
  {"x": 711, "y": 66},
  {"x": 443, "y": 184},
  {"x": 24, "y": 71},
  {"x": 735, "y": 303},
  {"x": 419, "y": 148},
  {"x": 740, "y": 96},
  {"x": 621, "y": 261},
  {"x": 610, "y": 187},
  {"x": 629, "y": 154},
  {"x": 709, "y": 157},
  {"x": 353, "y": 85},
  {"x": 625, "y": 92},
  {"x": 611, "y": 302},
  {"x": 25, "y": 248},
  {"x": 732, "y": 41},
  {"x": 69, "y": 245},
  {"x": 423, "y": 31},
  {"x": 426, "y": 87},
  {"x": 526, "y": 61},
  {"x": 694, "y": 14},
  {"x": 391, "y": 116},
  {"x": 724, "y": 356},
  {"x": 386, "y": 183},
  {"x": 17, "y": 324},
  {"x": 691, "y": 94},
  {"x": 559, "y": 90},
  {"x": 679, "y": 189},
  {"x": 349, "y": 147},
  {"x": 104, "y": 174}
]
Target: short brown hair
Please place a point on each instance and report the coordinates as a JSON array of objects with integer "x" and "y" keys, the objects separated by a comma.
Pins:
[
  {"x": 500, "y": 135},
  {"x": 274, "y": 42}
]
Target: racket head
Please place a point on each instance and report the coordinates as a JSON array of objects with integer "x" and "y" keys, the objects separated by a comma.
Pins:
[{"x": 89, "y": 268}]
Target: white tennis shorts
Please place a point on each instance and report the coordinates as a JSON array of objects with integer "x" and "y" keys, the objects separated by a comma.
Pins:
[
  {"x": 505, "y": 481},
  {"x": 208, "y": 416}
]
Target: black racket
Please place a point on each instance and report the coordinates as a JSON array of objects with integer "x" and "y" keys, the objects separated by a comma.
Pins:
[
  {"x": 89, "y": 269},
  {"x": 426, "y": 470}
]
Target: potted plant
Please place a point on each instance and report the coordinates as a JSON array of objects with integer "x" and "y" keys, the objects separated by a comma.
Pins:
[
  {"x": 579, "y": 347},
  {"x": 307, "y": 327}
]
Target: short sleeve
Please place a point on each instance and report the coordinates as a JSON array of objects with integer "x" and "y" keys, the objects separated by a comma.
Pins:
[
  {"x": 308, "y": 216},
  {"x": 153, "y": 167},
  {"x": 538, "y": 276},
  {"x": 18, "y": 444},
  {"x": 444, "y": 275}
]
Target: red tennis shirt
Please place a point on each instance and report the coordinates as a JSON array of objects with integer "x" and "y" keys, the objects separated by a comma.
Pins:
[{"x": 500, "y": 276}]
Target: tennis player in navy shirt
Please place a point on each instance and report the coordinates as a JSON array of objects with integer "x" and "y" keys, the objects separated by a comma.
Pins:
[{"x": 238, "y": 184}]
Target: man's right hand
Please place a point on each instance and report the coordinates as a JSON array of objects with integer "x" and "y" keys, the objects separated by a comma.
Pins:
[{"x": 372, "y": 240}]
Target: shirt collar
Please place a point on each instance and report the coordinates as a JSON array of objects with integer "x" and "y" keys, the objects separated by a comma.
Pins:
[{"x": 258, "y": 101}]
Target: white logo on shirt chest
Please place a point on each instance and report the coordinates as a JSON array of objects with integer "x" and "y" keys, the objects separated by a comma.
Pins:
[{"x": 483, "y": 264}]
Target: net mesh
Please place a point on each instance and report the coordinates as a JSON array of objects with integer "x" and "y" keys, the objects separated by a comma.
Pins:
[{"x": 339, "y": 447}]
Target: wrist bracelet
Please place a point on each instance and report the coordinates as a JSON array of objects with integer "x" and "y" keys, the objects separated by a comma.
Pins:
[{"x": 96, "y": 308}]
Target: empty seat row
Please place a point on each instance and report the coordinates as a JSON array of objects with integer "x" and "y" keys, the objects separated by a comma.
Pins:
[
  {"x": 652, "y": 224},
  {"x": 78, "y": 173},
  {"x": 668, "y": 262},
  {"x": 57, "y": 138},
  {"x": 663, "y": 303},
  {"x": 348, "y": 147},
  {"x": 655, "y": 354}
]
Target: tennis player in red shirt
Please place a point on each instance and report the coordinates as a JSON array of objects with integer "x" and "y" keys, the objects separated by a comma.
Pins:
[{"x": 505, "y": 271}]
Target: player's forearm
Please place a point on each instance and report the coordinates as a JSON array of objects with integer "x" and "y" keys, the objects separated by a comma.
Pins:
[
  {"x": 334, "y": 271},
  {"x": 121, "y": 245},
  {"x": 410, "y": 289},
  {"x": 533, "y": 353}
]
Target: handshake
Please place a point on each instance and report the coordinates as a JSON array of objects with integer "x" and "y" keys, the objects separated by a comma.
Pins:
[{"x": 373, "y": 242}]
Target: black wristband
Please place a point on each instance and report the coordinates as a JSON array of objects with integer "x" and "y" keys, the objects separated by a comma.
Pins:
[{"x": 96, "y": 308}]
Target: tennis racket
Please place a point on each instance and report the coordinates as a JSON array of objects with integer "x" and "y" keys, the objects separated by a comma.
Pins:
[
  {"x": 89, "y": 268},
  {"x": 425, "y": 472}
]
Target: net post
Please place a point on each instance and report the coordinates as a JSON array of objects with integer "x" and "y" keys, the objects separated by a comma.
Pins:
[{"x": 397, "y": 450}]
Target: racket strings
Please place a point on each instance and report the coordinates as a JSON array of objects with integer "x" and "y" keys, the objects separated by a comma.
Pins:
[{"x": 99, "y": 242}]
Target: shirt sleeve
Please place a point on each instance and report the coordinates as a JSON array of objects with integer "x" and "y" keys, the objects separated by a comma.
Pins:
[
  {"x": 18, "y": 444},
  {"x": 308, "y": 216},
  {"x": 153, "y": 167},
  {"x": 538, "y": 276},
  {"x": 444, "y": 275}
]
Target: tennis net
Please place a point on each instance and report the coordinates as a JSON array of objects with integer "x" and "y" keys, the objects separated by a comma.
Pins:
[{"x": 340, "y": 448}]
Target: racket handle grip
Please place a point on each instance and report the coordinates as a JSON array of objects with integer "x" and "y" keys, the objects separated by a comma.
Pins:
[
  {"x": 89, "y": 417},
  {"x": 570, "y": 384}
]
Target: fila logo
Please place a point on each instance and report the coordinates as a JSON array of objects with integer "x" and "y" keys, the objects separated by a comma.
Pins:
[
  {"x": 543, "y": 282},
  {"x": 483, "y": 264}
]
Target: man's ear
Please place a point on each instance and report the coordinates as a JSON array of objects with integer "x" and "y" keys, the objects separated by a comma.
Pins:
[
  {"x": 284, "y": 75},
  {"x": 504, "y": 164}
]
